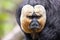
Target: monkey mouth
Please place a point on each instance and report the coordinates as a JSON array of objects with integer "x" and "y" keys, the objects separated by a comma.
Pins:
[{"x": 34, "y": 27}]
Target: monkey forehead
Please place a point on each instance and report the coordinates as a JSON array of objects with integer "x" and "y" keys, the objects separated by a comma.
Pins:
[
  {"x": 27, "y": 8},
  {"x": 39, "y": 8}
]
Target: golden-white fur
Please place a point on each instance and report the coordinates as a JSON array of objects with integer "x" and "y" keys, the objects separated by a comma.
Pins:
[{"x": 28, "y": 10}]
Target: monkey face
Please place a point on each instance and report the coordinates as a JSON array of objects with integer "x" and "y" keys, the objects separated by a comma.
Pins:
[{"x": 33, "y": 18}]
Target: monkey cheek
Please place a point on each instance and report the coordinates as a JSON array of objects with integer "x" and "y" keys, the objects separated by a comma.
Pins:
[
  {"x": 25, "y": 25},
  {"x": 42, "y": 22},
  {"x": 25, "y": 28}
]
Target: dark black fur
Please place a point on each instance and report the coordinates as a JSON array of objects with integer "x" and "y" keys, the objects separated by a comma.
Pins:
[{"x": 52, "y": 27}]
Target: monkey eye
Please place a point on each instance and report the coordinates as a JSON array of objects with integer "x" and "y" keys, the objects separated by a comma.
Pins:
[
  {"x": 37, "y": 17},
  {"x": 30, "y": 17}
]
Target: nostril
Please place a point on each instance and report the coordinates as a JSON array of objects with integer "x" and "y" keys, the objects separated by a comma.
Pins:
[{"x": 34, "y": 24}]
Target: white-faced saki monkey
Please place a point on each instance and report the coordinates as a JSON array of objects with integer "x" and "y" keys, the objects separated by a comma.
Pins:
[{"x": 39, "y": 19}]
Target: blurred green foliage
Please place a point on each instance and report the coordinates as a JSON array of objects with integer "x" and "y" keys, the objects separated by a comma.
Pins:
[
  {"x": 4, "y": 23},
  {"x": 8, "y": 5},
  {"x": 5, "y": 19}
]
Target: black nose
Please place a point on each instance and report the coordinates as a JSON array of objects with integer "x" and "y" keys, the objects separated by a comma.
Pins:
[{"x": 34, "y": 24}]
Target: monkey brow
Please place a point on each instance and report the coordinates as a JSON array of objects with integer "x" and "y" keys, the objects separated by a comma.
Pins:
[
  {"x": 34, "y": 16},
  {"x": 31, "y": 17}
]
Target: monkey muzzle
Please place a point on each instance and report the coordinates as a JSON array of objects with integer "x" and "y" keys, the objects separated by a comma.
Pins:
[{"x": 34, "y": 24}]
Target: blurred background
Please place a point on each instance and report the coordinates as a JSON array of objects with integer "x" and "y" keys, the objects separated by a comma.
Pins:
[{"x": 8, "y": 16}]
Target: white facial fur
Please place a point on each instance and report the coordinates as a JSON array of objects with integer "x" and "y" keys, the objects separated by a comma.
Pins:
[{"x": 28, "y": 10}]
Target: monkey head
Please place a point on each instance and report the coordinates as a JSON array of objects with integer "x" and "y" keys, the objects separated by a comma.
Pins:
[{"x": 33, "y": 18}]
